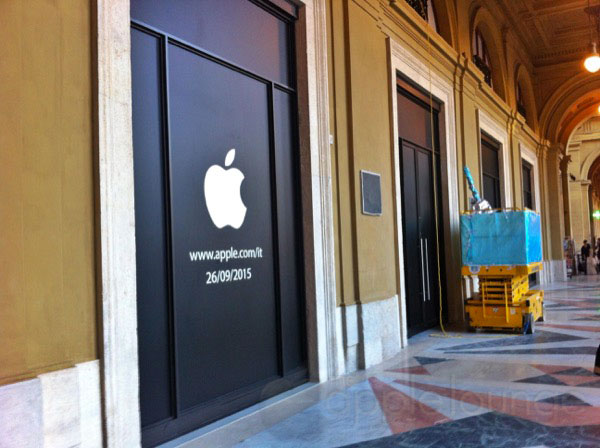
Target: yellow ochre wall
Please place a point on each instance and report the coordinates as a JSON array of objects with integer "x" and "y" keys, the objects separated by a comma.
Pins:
[
  {"x": 358, "y": 71},
  {"x": 47, "y": 287},
  {"x": 361, "y": 120}
]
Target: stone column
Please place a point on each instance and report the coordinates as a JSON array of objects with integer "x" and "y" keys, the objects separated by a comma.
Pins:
[
  {"x": 541, "y": 153},
  {"x": 552, "y": 212},
  {"x": 555, "y": 209},
  {"x": 580, "y": 210},
  {"x": 576, "y": 213},
  {"x": 564, "y": 175}
]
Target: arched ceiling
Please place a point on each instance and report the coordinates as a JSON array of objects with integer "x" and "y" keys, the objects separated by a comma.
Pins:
[
  {"x": 584, "y": 108},
  {"x": 570, "y": 105},
  {"x": 556, "y": 36},
  {"x": 445, "y": 19},
  {"x": 551, "y": 30}
]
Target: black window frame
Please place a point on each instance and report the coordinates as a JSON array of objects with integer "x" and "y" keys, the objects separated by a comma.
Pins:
[
  {"x": 495, "y": 197},
  {"x": 528, "y": 187}
]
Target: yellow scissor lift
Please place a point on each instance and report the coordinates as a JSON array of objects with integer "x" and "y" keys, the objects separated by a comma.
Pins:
[{"x": 505, "y": 301}]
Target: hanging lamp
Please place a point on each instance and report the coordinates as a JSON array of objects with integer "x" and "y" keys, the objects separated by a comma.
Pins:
[{"x": 592, "y": 61}]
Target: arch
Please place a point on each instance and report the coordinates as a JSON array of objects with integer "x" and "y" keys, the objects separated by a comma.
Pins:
[
  {"x": 523, "y": 79},
  {"x": 590, "y": 163},
  {"x": 589, "y": 166},
  {"x": 446, "y": 20},
  {"x": 484, "y": 21},
  {"x": 577, "y": 114},
  {"x": 592, "y": 167},
  {"x": 558, "y": 117}
]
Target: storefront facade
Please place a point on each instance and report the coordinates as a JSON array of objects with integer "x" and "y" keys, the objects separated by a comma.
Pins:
[{"x": 218, "y": 244}]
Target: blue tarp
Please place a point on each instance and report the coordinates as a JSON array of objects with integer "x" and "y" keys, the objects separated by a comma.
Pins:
[{"x": 505, "y": 238}]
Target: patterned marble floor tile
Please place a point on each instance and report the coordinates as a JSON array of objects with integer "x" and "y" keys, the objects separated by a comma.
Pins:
[
  {"x": 402, "y": 412},
  {"x": 543, "y": 379},
  {"x": 453, "y": 409},
  {"x": 423, "y": 360},
  {"x": 565, "y": 400},
  {"x": 414, "y": 370},
  {"x": 469, "y": 390},
  {"x": 491, "y": 430},
  {"x": 549, "y": 368},
  {"x": 573, "y": 380},
  {"x": 477, "y": 370},
  {"x": 344, "y": 418},
  {"x": 547, "y": 414},
  {"x": 540, "y": 337},
  {"x": 521, "y": 391},
  {"x": 586, "y": 350},
  {"x": 577, "y": 371},
  {"x": 594, "y": 384},
  {"x": 586, "y": 328}
]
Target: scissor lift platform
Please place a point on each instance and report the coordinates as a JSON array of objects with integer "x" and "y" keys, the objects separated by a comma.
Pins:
[{"x": 505, "y": 301}]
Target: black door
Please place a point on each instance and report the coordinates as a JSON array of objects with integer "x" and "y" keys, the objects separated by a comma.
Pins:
[
  {"x": 218, "y": 225},
  {"x": 418, "y": 154},
  {"x": 528, "y": 202}
]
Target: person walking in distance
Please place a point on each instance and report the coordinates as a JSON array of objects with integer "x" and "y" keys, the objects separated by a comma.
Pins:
[{"x": 585, "y": 253}]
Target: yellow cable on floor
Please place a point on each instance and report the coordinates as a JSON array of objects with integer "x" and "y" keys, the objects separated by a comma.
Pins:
[{"x": 435, "y": 192}]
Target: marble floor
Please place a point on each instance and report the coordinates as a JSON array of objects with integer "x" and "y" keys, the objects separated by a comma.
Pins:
[{"x": 455, "y": 390}]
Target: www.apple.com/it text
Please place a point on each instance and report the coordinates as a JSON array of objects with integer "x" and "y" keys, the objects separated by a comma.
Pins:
[{"x": 225, "y": 255}]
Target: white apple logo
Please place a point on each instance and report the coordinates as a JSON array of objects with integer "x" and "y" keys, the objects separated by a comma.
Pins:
[{"x": 222, "y": 194}]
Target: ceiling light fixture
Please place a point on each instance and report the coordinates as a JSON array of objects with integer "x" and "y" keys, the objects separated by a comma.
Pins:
[{"x": 592, "y": 61}]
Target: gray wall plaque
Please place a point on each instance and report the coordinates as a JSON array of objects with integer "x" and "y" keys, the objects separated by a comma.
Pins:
[{"x": 371, "y": 193}]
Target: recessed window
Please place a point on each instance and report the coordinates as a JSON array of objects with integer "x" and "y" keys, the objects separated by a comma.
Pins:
[
  {"x": 431, "y": 16},
  {"x": 521, "y": 101},
  {"x": 426, "y": 10},
  {"x": 528, "y": 195},
  {"x": 490, "y": 170},
  {"x": 481, "y": 57}
]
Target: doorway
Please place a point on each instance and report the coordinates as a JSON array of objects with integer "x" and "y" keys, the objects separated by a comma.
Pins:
[
  {"x": 221, "y": 320},
  {"x": 529, "y": 201},
  {"x": 423, "y": 240}
]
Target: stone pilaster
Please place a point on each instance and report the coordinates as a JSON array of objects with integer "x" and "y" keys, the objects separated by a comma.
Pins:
[
  {"x": 542, "y": 152},
  {"x": 554, "y": 211},
  {"x": 550, "y": 157},
  {"x": 564, "y": 176}
]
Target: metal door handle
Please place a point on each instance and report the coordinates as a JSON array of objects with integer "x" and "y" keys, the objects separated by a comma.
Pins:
[
  {"x": 427, "y": 269},
  {"x": 422, "y": 269}
]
